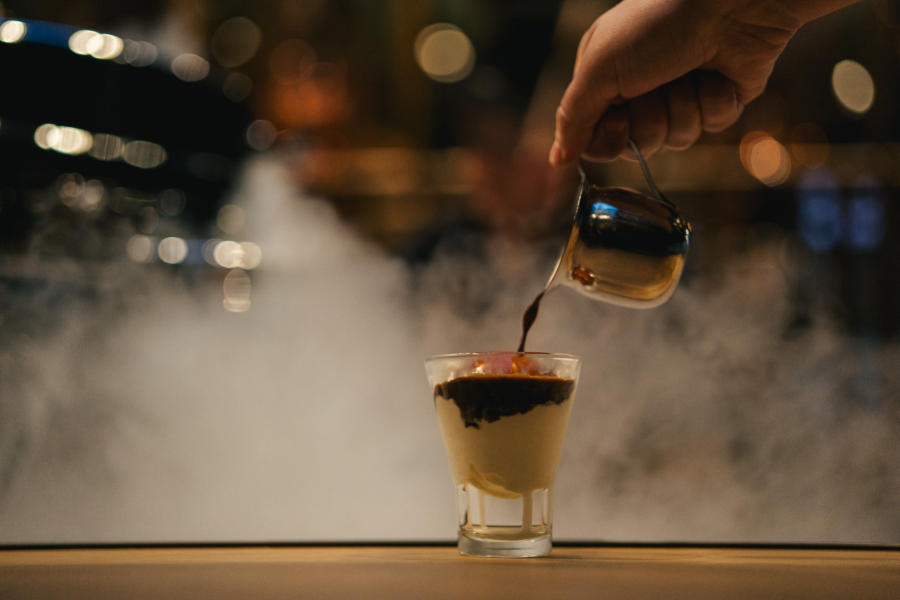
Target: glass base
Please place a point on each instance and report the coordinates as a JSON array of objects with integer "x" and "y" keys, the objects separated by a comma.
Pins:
[{"x": 504, "y": 548}]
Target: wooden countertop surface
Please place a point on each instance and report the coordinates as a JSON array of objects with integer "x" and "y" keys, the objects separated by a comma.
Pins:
[{"x": 433, "y": 572}]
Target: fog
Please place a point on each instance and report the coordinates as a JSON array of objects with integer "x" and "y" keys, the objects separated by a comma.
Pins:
[{"x": 159, "y": 416}]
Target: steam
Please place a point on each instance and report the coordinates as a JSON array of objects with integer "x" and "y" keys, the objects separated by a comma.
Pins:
[{"x": 308, "y": 417}]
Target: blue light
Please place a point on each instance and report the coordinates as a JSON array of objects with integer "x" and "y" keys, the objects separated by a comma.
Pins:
[
  {"x": 866, "y": 229},
  {"x": 819, "y": 215},
  {"x": 602, "y": 209}
]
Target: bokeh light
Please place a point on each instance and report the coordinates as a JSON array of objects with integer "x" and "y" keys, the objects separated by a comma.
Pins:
[
  {"x": 261, "y": 134},
  {"x": 12, "y": 31},
  {"x": 444, "y": 52},
  {"x": 236, "y": 289},
  {"x": 139, "y": 248},
  {"x": 236, "y": 255},
  {"x": 190, "y": 67},
  {"x": 853, "y": 86},
  {"x": 228, "y": 254},
  {"x": 765, "y": 158},
  {"x": 172, "y": 250},
  {"x": 251, "y": 255},
  {"x": 66, "y": 140},
  {"x": 139, "y": 54},
  {"x": 107, "y": 147},
  {"x": 235, "y": 41},
  {"x": 144, "y": 155},
  {"x": 99, "y": 45},
  {"x": 819, "y": 216}
]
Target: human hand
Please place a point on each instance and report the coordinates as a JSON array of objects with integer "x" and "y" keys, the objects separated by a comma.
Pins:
[{"x": 664, "y": 71}]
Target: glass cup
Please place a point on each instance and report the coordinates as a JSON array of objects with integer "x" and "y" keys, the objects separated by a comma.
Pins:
[{"x": 503, "y": 417}]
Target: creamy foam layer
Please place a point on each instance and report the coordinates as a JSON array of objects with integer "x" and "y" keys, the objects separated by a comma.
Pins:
[{"x": 509, "y": 457}]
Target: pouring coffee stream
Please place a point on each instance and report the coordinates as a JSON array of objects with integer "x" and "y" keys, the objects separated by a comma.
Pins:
[{"x": 625, "y": 247}]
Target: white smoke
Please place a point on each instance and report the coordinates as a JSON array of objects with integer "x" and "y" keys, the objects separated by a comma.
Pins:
[{"x": 308, "y": 417}]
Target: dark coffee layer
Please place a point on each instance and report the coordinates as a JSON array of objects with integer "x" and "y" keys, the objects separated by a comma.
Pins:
[{"x": 490, "y": 397}]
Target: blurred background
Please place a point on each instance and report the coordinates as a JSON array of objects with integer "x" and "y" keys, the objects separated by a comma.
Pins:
[{"x": 231, "y": 231}]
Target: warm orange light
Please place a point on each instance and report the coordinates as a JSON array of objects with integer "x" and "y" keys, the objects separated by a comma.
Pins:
[{"x": 765, "y": 158}]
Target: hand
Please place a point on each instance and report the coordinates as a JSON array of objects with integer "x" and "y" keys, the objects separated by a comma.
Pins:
[{"x": 664, "y": 71}]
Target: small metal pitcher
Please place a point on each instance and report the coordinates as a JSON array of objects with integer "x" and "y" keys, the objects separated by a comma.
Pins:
[{"x": 626, "y": 247}]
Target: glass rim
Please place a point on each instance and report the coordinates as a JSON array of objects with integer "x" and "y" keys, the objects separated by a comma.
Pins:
[{"x": 561, "y": 355}]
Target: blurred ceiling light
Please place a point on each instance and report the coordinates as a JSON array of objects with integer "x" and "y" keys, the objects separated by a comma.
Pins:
[
  {"x": 78, "y": 41},
  {"x": 235, "y": 41},
  {"x": 234, "y": 255},
  {"x": 444, "y": 52},
  {"x": 139, "y": 248},
  {"x": 228, "y": 254},
  {"x": 231, "y": 218},
  {"x": 853, "y": 86},
  {"x": 236, "y": 290},
  {"x": 172, "y": 250},
  {"x": 252, "y": 255},
  {"x": 809, "y": 145},
  {"x": 66, "y": 140},
  {"x": 43, "y": 135},
  {"x": 139, "y": 54},
  {"x": 261, "y": 134},
  {"x": 765, "y": 158},
  {"x": 144, "y": 155},
  {"x": 99, "y": 45},
  {"x": 190, "y": 67},
  {"x": 12, "y": 31},
  {"x": 237, "y": 86},
  {"x": 107, "y": 147},
  {"x": 104, "y": 46}
]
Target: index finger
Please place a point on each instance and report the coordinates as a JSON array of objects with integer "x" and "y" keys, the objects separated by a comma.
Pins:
[{"x": 579, "y": 110}]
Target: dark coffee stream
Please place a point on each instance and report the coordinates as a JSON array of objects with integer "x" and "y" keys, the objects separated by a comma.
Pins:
[{"x": 529, "y": 317}]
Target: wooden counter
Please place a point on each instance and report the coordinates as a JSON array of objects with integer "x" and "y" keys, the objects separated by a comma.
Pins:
[{"x": 439, "y": 572}]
